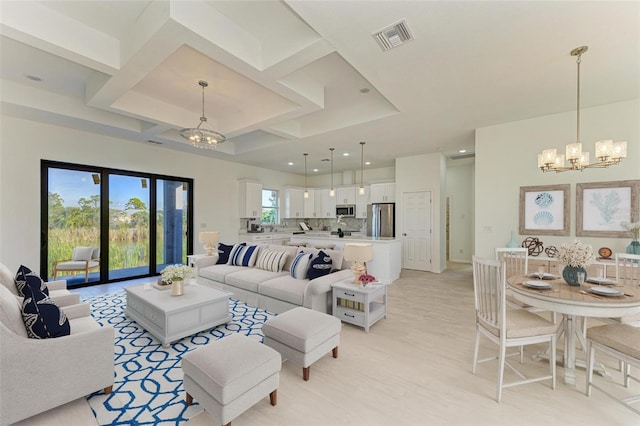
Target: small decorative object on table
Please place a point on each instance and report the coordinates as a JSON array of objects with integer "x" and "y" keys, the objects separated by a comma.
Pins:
[
  {"x": 534, "y": 245},
  {"x": 605, "y": 252},
  {"x": 512, "y": 243},
  {"x": 176, "y": 275},
  {"x": 634, "y": 228},
  {"x": 551, "y": 251},
  {"x": 575, "y": 256},
  {"x": 366, "y": 279}
]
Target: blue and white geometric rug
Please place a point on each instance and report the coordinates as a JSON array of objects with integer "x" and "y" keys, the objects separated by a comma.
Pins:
[{"x": 147, "y": 388}]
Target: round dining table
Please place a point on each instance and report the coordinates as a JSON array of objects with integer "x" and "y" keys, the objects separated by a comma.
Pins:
[{"x": 574, "y": 302}]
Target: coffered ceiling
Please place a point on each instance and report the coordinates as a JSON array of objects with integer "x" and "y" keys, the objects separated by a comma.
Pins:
[{"x": 288, "y": 77}]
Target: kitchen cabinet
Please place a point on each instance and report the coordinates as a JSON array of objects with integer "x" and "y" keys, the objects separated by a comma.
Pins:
[
  {"x": 293, "y": 202},
  {"x": 327, "y": 207},
  {"x": 346, "y": 195},
  {"x": 250, "y": 199},
  {"x": 383, "y": 192},
  {"x": 361, "y": 203},
  {"x": 310, "y": 204}
]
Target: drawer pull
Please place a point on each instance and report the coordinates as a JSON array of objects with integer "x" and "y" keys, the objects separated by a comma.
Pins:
[
  {"x": 349, "y": 294},
  {"x": 349, "y": 315}
]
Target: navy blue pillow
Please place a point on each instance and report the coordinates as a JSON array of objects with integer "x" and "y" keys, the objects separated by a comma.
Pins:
[
  {"x": 223, "y": 251},
  {"x": 42, "y": 317},
  {"x": 25, "y": 277},
  {"x": 321, "y": 265}
]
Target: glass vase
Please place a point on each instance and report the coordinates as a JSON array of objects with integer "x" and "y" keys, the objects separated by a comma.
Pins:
[{"x": 634, "y": 247}]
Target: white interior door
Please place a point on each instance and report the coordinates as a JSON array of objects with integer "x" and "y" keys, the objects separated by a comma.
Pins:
[{"x": 416, "y": 232}]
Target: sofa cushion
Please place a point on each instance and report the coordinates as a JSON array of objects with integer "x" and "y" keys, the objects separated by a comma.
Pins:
[
  {"x": 270, "y": 260},
  {"x": 7, "y": 279},
  {"x": 82, "y": 253},
  {"x": 42, "y": 317},
  {"x": 244, "y": 256},
  {"x": 300, "y": 265},
  {"x": 250, "y": 278},
  {"x": 95, "y": 253},
  {"x": 320, "y": 265},
  {"x": 291, "y": 253},
  {"x": 11, "y": 312},
  {"x": 224, "y": 250},
  {"x": 25, "y": 277},
  {"x": 218, "y": 272},
  {"x": 285, "y": 288}
]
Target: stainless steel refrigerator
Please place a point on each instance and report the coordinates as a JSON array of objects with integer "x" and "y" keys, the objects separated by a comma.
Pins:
[{"x": 381, "y": 220}]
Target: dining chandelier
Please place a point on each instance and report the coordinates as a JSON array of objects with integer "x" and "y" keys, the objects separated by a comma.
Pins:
[
  {"x": 607, "y": 152},
  {"x": 361, "y": 189},
  {"x": 332, "y": 191},
  {"x": 203, "y": 136},
  {"x": 306, "y": 191}
]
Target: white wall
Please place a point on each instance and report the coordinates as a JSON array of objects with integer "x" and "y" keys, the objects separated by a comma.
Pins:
[
  {"x": 24, "y": 143},
  {"x": 425, "y": 173},
  {"x": 460, "y": 191},
  {"x": 506, "y": 159}
]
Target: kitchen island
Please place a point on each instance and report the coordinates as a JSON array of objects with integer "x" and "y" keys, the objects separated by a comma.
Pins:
[{"x": 386, "y": 262}]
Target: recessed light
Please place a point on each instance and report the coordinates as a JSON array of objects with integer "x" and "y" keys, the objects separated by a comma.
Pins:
[
  {"x": 290, "y": 163},
  {"x": 462, "y": 151},
  {"x": 367, "y": 162},
  {"x": 364, "y": 90},
  {"x": 33, "y": 77},
  {"x": 345, "y": 154},
  {"x": 315, "y": 170}
]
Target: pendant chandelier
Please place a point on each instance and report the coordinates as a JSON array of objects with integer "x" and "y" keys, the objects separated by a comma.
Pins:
[
  {"x": 306, "y": 191},
  {"x": 608, "y": 153},
  {"x": 203, "y": 136},
  {"x": 332, "y": 192},
  {"x": 361, "y": 189}
]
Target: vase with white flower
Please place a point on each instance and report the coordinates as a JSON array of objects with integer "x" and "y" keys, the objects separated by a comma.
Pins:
[
  {"x": 634, "y": 228},
  {"x": 576, "y": 256},
  {"x": 176, "y": 275}
]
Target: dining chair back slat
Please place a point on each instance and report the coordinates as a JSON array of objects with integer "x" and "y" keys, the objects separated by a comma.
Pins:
[
  {"x": 628, "y": 269},
  {"x": 516, "y": 259}
]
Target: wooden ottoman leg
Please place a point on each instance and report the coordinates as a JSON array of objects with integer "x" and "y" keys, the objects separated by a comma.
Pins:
[
  {"x": 334, "y": 352},
  {"x": 305, "y": 373},
  {"x": 273, "y": 397},
  {"x": 108, "y": 390},
  {"x": 189, "y": 399}
]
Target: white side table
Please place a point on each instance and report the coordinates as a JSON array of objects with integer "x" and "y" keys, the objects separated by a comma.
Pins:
[
  {"x": 192, "y": 258},
  {"x": 361, "y": 306}
]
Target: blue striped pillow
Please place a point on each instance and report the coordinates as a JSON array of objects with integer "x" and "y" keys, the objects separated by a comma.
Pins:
[
  {"x": 243, "y": 256},
  {"x": 300, "y": 265},
  {"x": 271, "y": 260}
]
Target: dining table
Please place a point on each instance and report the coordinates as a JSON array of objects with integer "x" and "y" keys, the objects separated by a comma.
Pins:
[{"x": 589, "y": 300}]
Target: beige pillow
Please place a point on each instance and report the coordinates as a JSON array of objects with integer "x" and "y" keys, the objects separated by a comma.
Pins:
[
  {"x": 270, "y": 260},
  {"x": 82, "y": 253}
]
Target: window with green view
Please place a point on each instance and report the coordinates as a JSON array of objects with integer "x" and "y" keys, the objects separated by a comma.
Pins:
[{"x": 270, "y": 207}]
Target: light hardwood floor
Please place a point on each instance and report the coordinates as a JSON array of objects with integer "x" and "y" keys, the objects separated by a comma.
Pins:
[{"x": 414, "y": 368}]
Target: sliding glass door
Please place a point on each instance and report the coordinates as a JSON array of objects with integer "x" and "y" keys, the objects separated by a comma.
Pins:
[{"x": 139, "y": 222}]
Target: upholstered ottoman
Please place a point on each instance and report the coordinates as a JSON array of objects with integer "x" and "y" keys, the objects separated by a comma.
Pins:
[
  {"x": 230, "y": 375},
  {"x": 303, "y": 336}
]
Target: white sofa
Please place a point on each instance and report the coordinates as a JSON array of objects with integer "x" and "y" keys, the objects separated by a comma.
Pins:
[
  {"x": 274, "y": 291},
  {"x": 57, "y": 289}
]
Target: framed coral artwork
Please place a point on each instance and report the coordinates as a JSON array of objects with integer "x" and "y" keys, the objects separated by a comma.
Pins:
[
  {"x": 544, "y": 210},
  {"x": 601, "y": 207}
]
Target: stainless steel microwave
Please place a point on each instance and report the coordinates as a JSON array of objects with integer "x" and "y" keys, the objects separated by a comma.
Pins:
[{"x": 346, "y": 210}]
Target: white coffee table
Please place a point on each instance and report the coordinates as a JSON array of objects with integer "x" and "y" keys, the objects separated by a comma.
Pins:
[{"x": 170, "y": 318}]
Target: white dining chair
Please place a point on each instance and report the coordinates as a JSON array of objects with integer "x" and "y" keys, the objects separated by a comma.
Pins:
[
  {"x": 506, "y": 328},
  {"x": 622, "y": 342}
]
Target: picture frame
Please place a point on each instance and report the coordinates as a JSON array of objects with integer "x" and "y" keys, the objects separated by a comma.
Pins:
[
  {"x": 544, "y": 210},
  {"x": 601, "y": 207}
]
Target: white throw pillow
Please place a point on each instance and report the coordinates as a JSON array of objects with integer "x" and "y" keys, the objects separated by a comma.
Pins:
[{"x": 300, "y": 265}]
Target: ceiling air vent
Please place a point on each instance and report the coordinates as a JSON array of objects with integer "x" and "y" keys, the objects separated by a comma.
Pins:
[
  {"x": 462, "y": 156},
  {"x": 393, "y": 36}
]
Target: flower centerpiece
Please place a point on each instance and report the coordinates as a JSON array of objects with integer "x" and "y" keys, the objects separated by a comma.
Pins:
[
  {"x": 634, "y": 228},
  {"x": 366, "y": 279},
  {"x": 575, "y": 256},
  {"x": 175, "y": 274}
]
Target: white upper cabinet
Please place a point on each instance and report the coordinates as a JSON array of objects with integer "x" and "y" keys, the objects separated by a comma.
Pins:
[
  {"x": 293, "y": 202},
  {"x": 346, "y": 195},
  {"x": 325, "y": 205},
  {"x": 383, "y": 192},
  {"x": 250, "y": 199},
  {"x": 310, "y": 204},
  {"x": 361, "y": 202}
]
